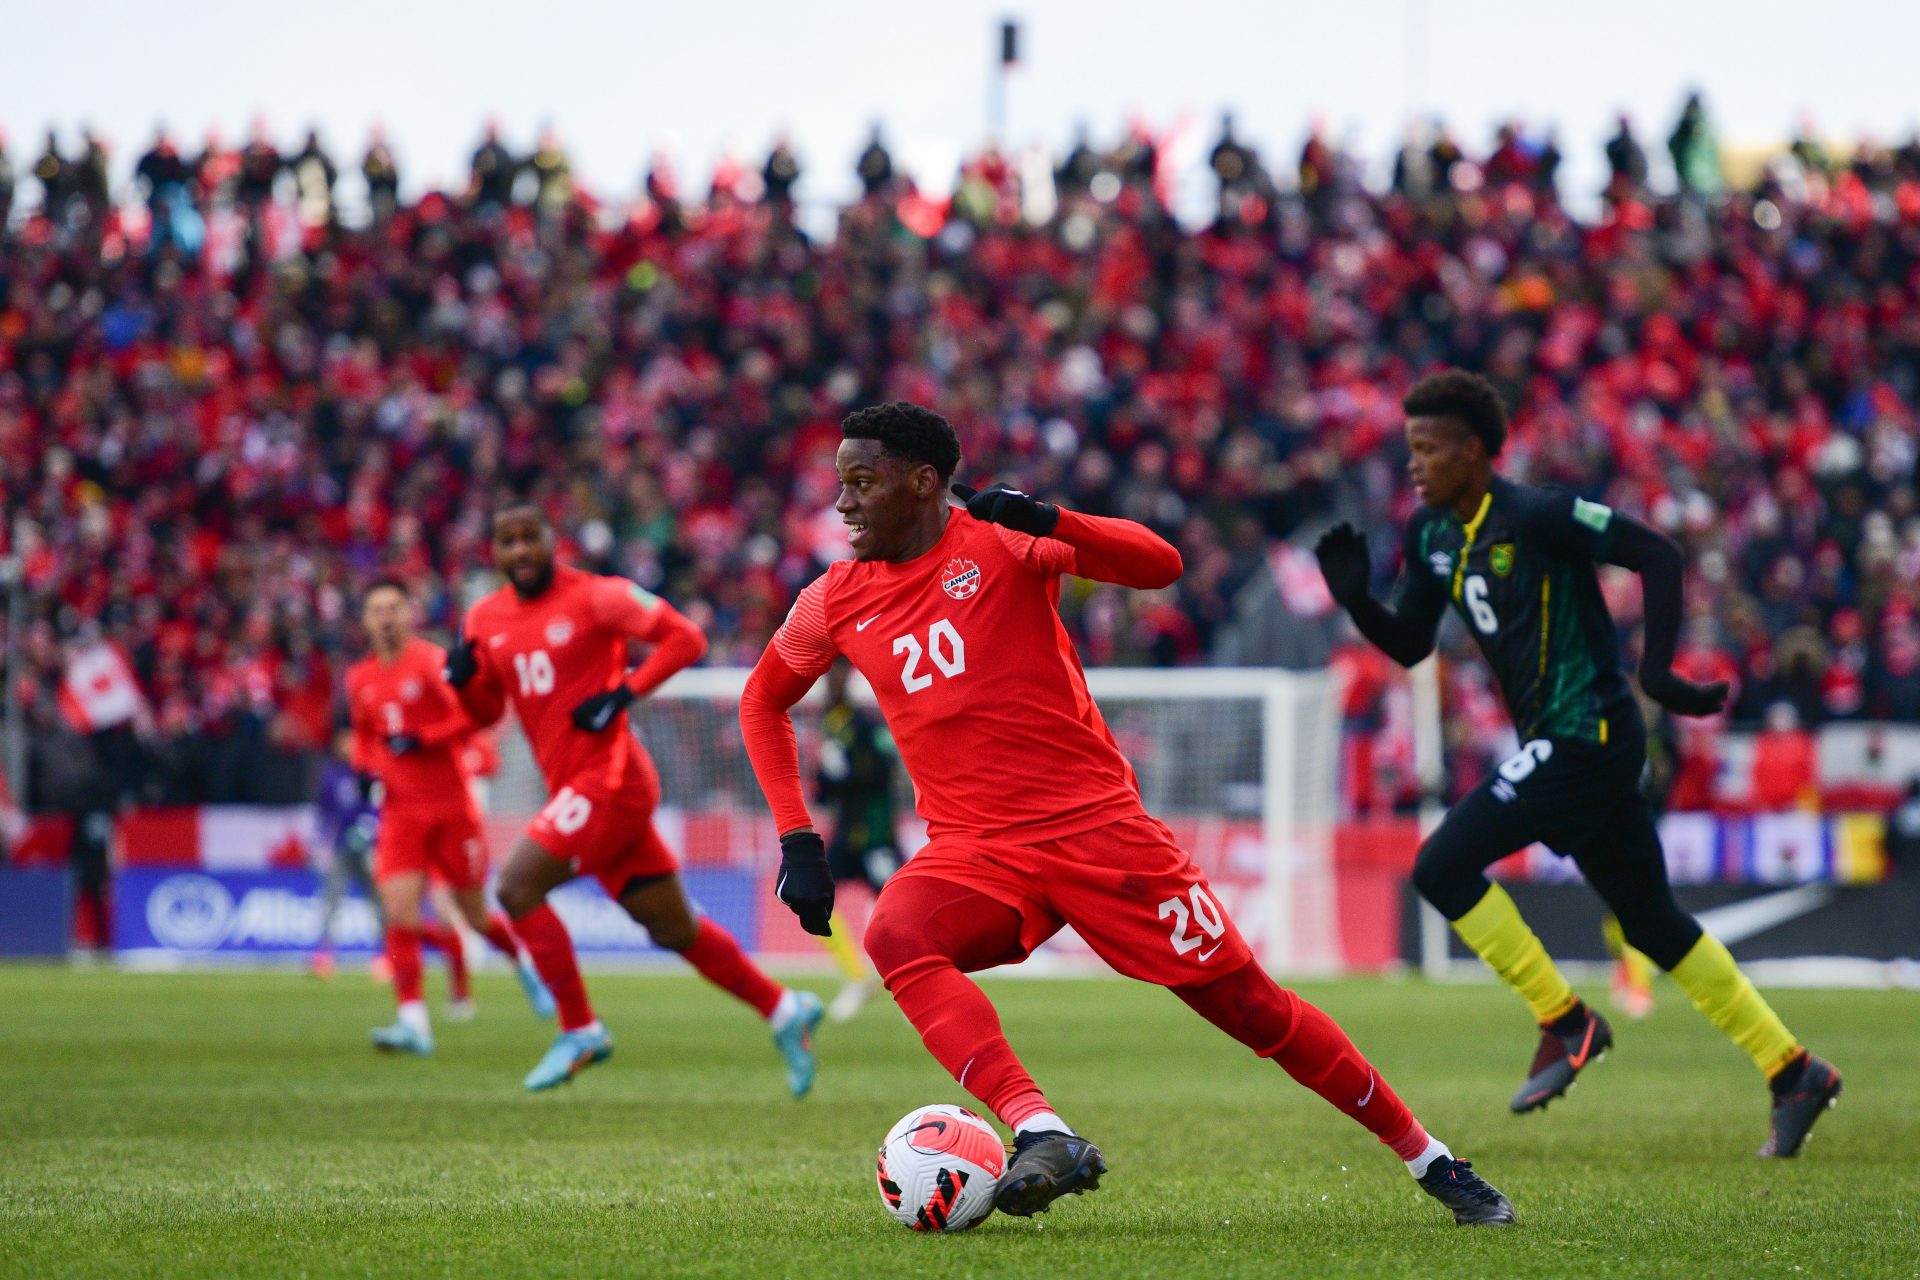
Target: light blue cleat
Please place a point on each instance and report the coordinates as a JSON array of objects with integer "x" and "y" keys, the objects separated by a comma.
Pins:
[
  {"x": 401, "y": 1038},
  {"x": 572, "y": 1053},
  {"x": 795, "y": 1043},
  {"x": 537, "y": 994}
]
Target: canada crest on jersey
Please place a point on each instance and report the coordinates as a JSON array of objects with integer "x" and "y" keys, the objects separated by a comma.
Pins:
[
  {"x": 1500, "y": 559},
  {"x": 961, "y": 578},
  {"x": 559, "y": 631}
]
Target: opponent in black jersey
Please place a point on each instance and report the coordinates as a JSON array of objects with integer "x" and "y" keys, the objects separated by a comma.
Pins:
[{"x": 1518, "y": 564}]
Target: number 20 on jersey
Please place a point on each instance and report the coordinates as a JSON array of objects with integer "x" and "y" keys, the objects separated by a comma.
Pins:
[{"x": 944, "y": 646}]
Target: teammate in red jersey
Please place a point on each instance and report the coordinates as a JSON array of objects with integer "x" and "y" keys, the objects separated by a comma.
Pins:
[
  {"x": 407, "y": 728},
  {"x": 554, "y": 642},
  {"x": 1034, "y": 818}
]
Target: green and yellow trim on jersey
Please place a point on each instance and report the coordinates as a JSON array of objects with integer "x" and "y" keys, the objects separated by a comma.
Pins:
[{"x": 1471, "y": 530}]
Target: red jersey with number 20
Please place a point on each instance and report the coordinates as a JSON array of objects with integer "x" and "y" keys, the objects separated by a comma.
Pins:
[
  {"x": 977, "y": 678},
  {"x": 549, "y": 654}
]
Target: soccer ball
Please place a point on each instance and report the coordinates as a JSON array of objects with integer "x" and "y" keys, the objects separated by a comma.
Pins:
[{"x": 939, "y": 1167}]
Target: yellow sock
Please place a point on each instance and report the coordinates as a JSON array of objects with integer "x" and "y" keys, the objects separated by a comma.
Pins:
[
  {"x": 1494, "y": 929},
  {"x": 1639, "y": 968},
  {"x": 839, "y": 945},
  {"x": 1718, "y": 989}
]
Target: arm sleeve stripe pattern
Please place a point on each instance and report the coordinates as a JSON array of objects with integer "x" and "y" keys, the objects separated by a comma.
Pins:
[{"x": 802, "y": 641}]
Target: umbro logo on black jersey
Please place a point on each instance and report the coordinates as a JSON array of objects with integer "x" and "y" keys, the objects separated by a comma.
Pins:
[{"x": 1442, "y": 564}]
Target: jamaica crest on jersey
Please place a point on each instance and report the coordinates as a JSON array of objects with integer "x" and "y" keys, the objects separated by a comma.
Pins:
[
  {"x": 960, "y": 578},
  {"x": 559, "y": 631}
]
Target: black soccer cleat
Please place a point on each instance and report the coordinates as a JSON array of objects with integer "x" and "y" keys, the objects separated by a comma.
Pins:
[
  {"x": 1562, "y": 1055},
  {"x": 1800, "y": 1097},
  {"x": 1046, "y": 1165},
  {"x": 1475, "y": 1201}
]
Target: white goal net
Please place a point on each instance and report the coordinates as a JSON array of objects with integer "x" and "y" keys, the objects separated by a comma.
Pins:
[{"x": 1240, "y": 763}]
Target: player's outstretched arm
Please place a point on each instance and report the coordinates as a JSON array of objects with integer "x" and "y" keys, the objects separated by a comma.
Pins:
[
  {"x": 1122, "y": 552},
  {"x": 638, "y": 613},
  {"x": 766, "y": 723},
  {"x": 1662, "y": 567},
  {"x": 1406, "y": 633}
]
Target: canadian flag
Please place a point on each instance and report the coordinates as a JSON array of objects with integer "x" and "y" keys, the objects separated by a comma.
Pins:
[
  {"x": 221, "y": 837},
  {"x": 99, "y": 690}
]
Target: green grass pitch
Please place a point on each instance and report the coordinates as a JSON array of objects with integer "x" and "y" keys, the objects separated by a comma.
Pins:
[{"x": 238, "y": 1125}]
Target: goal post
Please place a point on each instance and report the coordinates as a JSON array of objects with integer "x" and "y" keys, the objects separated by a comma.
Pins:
[{"x": 1241, "y": 763}]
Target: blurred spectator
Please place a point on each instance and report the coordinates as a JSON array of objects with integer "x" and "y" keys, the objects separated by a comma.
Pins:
[
  {"x": 313, "y": 178},
  {"x": 383, "y": 177},
  {"x": 780, "y": 174},
  {"x": 56, "y": 179},
  {"x": 259, "y": 167},
  {"x": 552, "y": 172},
  {"x": 1235, "y": 166},
  {"x": 1695, "y": 151},
  {"x": 161, "y": 174},
  {"x": 875, "y": 165},
  {"x": 1626, "y": 161},
  {"x": 6, "y": 181},
  {"x": 493, "y": 171},
  {"x": 1785, "y": 763}
]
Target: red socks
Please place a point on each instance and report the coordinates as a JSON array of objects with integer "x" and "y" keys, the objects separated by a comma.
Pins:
[
  {"x": 925, "y": 935},
  {"x": 500, "y": 934},
  {"x": 720, "y": 961},
  {"x": 403, "y": 956},
  {"x": 439, "y": 934},
  {"x": 551, "y": 951},
  {"x": 1275, "y": 1023}
]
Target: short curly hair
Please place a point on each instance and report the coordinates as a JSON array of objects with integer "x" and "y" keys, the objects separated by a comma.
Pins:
[
  {"x": 907, "y": 431},
  {"x": 1455, "y": 393}
]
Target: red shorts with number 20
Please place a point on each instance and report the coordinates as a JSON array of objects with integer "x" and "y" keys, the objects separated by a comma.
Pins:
[
  {"x": 605, "y": 834},
  {"x": 1127, "y": 888},
  {"x": 442, "y": 841}
]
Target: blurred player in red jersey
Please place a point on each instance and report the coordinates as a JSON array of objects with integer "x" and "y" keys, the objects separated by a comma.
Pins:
[
  {"x": 1034, "y": 817},
  {"x": 408, "y": 727},
  {"x": 554, "y": 642}
]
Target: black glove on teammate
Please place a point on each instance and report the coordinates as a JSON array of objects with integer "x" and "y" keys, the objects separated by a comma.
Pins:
[
  {"x": 999, "y": 504},
  {"x": 1345, "y": 564},
  {"x": 401, "y": 743},
  {"x": 462, "y": 664},
  {"x": 1682, "y": 696},
  {"x": 806, "y": 885},
  {"x": 597, "y": 712}
]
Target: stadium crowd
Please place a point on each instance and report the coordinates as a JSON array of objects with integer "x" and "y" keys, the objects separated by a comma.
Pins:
[{"x": 225, "y": 404}]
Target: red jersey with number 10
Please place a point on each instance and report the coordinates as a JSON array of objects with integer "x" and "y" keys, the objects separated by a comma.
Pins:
[
  {"x": 549, "y": 654},
  {"x": 977, "y": 678}
]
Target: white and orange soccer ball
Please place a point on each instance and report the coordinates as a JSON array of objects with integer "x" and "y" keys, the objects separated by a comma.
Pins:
[{"x": 939, "y": 1167}]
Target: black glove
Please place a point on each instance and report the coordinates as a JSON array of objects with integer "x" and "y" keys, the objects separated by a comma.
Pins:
[
  {"x": 1682, "y": 696},
  {"x": 806, "y": 885},
  {"x": 401, "y": 743},
  {"x": 597, "y": 712},
  {"x": 462, "y": 664},
  {"x": 998, "y": 504},
  {"x": 366, "y": 782},
  {"x": 1345, "y": 564}
]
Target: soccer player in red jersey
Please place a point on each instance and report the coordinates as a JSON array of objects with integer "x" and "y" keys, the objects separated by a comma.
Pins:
[
  {"x": 1033, "y": 816},
  {"x": 407, "y": 728},
  {"x": 554, "y": 643}
]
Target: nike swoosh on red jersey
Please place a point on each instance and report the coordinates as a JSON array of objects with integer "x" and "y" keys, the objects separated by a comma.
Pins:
[
  {"x": 1208, "y": 955},
  {"x": 862, "y": 626}
]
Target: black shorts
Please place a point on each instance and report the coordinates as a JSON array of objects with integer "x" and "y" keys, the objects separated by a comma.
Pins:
[
  {"x": 859, "y": 860},
  {"x": 1583, "y": 801}
]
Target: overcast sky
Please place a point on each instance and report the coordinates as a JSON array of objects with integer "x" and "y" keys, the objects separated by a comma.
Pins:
[{"x": 619, "y": 80}]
